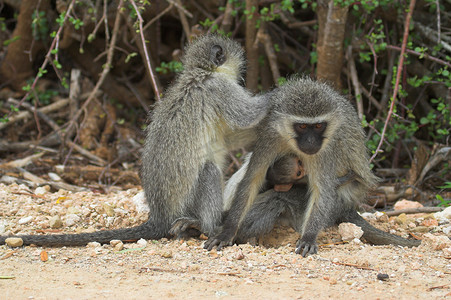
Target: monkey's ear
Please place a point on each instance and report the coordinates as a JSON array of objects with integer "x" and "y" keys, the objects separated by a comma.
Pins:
[{"x": 217, "y": 55}]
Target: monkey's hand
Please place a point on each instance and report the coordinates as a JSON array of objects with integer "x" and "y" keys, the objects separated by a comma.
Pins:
[
  {"x": 283, "y": 187},
  {"x": 307, "y": 245},
  {"x": 219, "y": 241}
]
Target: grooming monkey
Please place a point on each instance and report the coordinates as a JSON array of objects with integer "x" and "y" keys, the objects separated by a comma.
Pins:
[
  {"x": 185, "y": 147},
  {"x": 312, "y": 121},
  {"x": 290, "y": 204}
]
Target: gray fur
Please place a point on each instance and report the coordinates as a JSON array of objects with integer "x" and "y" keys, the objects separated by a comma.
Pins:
[
  {"x": 185, "y": 147},
  {"x": 343, "y": 150},
  {"x": 271, "y": 206}
]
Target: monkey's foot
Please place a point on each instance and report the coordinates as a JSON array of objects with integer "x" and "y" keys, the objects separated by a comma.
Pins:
[
  {"x": 219, "y": 241},
  {"x": 307, "y": 247},
  {"x": 185, "y": 226}
]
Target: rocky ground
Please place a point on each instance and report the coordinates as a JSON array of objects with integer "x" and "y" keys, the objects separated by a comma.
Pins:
[{"x": 183, "y": 269}]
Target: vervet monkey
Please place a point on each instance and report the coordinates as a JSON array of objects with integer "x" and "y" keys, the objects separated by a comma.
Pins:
[
  {"x": 185, "y": 147},
  {"x": 312, "y": 121},
  {"x": 273, "y": 205}
]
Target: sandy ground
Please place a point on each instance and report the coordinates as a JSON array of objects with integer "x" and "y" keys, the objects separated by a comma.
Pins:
[{"x": 183, "y": 269}]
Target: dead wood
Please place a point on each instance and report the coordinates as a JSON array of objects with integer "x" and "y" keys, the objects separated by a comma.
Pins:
[
  {"x": 418, "y": 210},
  {"x": 97, "y": 174}
]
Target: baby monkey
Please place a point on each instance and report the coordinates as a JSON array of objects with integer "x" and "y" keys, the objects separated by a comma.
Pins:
[{"x": 284, "y": 173}]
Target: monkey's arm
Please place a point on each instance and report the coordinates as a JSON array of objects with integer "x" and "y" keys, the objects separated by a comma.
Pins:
[
  {"x": 244, "y": 197},
  {"x": 240, "y": 109}
]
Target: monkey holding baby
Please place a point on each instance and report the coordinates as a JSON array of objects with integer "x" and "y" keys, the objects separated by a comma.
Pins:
[{"x": 310, "y": 122}]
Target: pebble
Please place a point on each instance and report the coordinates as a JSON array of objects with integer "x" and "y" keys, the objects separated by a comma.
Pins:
[
  {"x": 446, "y": 230},
  {"x": 25, "y": 220},
  {"x": 435, "y": 242},
  {"x": 403, "y": 204},
  {"x": 41, "y": 190},
  {"x": 93, "y": 245},
  {"x": 54, "y": 176},
  {"x": 420, "y": 229},
  {"x": 117, "y": 245},
  {"x": 14, "y": 242},
  {"x": 55, "y": 222},
  {"x": 140, "y": 202},
  {"x": 401, "y": 219},
  {"x": 71, "y": 219},
  {"x": 383, "y": 276},
  {"x": 349, "y": 231},
  {"x": 444, "y": 214},
  {"x": 142, "y": 243},
  {"x": 109, "y": 209},
  {"x": 166, "y": 254}
]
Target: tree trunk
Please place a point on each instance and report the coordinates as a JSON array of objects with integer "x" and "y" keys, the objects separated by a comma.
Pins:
[
  {"x": 251, "y": 51},
  {"x": 331, "y": 31}
]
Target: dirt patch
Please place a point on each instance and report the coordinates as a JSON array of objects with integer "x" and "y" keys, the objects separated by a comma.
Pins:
[{"x": 183, "y": 269}]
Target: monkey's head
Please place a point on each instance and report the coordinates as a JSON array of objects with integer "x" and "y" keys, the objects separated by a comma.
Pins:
[
  {"x": 308, "y": 113},
  {"x": 215, "y": 53}
]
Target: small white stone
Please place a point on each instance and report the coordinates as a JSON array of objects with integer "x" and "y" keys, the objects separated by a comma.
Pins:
[
  {"x": 447, "y": 230},
  {"x": 349, "y": 231},
  {"x": 71, "y": 219},
  {"x": 55, "y": 222},
  {"x": 54, "y": 176},
  {"x": 93, "y": 245},
  {"x": 140, "y": 202},
  {"x": 115, "y": 242},
  {"x": 444, "y": 214},
  {"x": 41, "y": 190},
  {"x": 142, "y": 243},
  {"x": 25, "y": 220}
]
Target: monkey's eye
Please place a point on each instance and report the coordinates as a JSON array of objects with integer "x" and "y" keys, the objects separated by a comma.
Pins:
[
  {"x": 302, "y": 126},
  {"x": 319, "y": 125},
  {"x": 299, "y": 173}
]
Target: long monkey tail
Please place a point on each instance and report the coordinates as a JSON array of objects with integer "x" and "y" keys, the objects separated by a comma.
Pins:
[
  {"x": 147, "y": 230},
  {"x": 376, "y": 236}
]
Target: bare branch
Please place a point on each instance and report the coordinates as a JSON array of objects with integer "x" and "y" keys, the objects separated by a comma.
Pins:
[{"x": 398, "y": 76}]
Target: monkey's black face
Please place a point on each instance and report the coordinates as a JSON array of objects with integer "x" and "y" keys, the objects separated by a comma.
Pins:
[{"x": 310, "y": 136}]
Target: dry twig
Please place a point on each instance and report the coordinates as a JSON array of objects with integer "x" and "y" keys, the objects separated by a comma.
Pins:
[
  {"x": 418, "y": 210},
  {"x": 398, "y": 77}
]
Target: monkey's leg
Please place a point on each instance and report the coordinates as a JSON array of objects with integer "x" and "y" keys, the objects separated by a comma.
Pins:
[
  {"x": 262, "y": 216},
  {"x": 269, "y": 207},
  {"x": 206, "y": 205}
]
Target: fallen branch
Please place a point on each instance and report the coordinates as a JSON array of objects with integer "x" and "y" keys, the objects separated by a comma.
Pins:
[
  {"x": 418, "y": 210},
  {"x": 352, "y": 265},
  {"x": 25, "y": 114}
]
